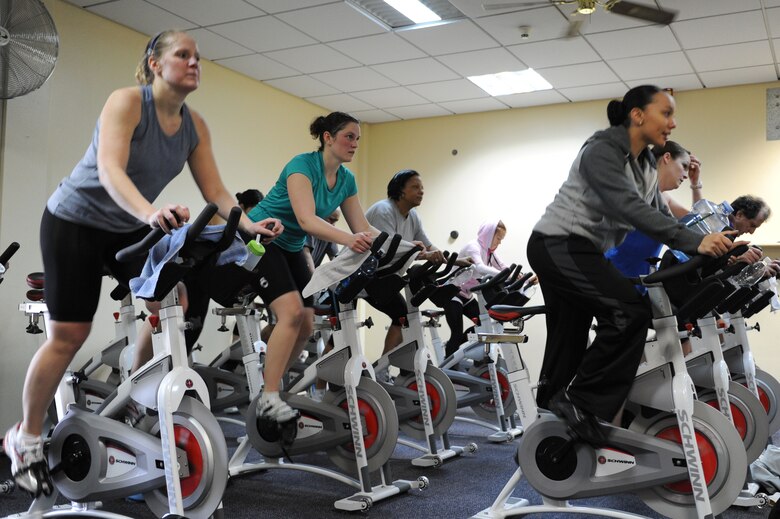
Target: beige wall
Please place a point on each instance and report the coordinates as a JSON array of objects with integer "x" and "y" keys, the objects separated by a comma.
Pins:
[{"x": 509, "y": 164}]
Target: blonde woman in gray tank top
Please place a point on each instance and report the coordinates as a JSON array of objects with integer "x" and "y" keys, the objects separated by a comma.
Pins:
[{"x": 142, "y": 140}]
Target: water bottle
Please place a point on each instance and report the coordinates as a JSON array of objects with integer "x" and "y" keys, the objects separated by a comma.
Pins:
[
  {"x": 462, "y": 276},
  {"x": 707, "y": 217},
  {"x": 255, "y": 251},
  {"x": 751, "y": 274},
  {"x": 344, "y": 290}
]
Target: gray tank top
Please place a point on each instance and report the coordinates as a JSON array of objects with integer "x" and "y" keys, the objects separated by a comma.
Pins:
[{"x": 154, "y": 160}]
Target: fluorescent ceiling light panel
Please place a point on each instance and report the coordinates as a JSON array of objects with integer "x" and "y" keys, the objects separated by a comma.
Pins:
[
  {"x": 414, "y": 10},
  {"x": 505, "y": 83}
]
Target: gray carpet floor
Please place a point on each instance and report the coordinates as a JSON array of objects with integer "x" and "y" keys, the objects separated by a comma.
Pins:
[{"x": 460, "y": 488}]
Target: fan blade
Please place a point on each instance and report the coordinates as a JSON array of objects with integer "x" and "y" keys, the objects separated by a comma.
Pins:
[
  {"x": 516, "y": 5},
  {"x": 643, "y": 12}
]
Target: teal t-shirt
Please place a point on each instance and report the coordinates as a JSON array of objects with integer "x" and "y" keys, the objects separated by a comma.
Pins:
[{"x": 277, "y": 203}]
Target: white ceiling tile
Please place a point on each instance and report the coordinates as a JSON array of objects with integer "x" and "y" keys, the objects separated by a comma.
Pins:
[
  {"x": 639, "y": 41},
  {"x": 258, "y": 67},
  {"x": 381, "y": 48},
  {"x": 687, "y": 9},
  {"x": 390, "y": 97},
  {"x": 312, "y": 58},
  {"x": 739, "y": 76},
  {"x": 354, "y": 79},
  {"x": 772, "y": 3},
  {"x": 578, "y": 75},
  {"x": 720, "y": 30},
  {"x": 415, "y": 71},
  {"x": 474, "y": 105},
  {"x": 474, "y": 9},
  {"x": 319, "y": 22},
  {"x": 542, "y": 97},
  {"x": 263, "y": 34},
  {"x": 413, "y": 112},
  {"x": 478, "y": 62},
  {"x": 589, "y": 93},
  {"x": 678, "y": 83},
  {"x": 773, "y": 19},
  {"x": 341, "y": 103},
  {"x": 213, "y": 46},
  {"x": 671, "y": 63},
  {"x": 449, "y": 38},
  {"x": 731, "y": 56},
  {"x": 278, "y": 6},
  {"x": 302, "y": 86},
  {"x": 444, "y": 91},
  {"x": 141, "y": 16},
  {"x": 554, "y": 53},
  {"x": 546, "y": 23},
  {"x": 81, "y": 3},
  {"x": 208, "y": 12},
  {"x": 375, "y": 116}
]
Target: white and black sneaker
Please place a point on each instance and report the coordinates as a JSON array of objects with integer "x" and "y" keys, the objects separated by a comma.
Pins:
[
  {"x": 272, "y": 407},
  {"x": 28, "y": 466}
]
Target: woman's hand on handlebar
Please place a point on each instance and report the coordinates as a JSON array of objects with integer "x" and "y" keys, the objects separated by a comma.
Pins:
[
  {"x": 718, "y": 244},
  {"x": 169, "y": 217},
  {"x": 360, "y": 242},
  {"x": 434, "y": 256},
  {"x": 464, "y": 262},
  {"x": 268, "y": 228}
]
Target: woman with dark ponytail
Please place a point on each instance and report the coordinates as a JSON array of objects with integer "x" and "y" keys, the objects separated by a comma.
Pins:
[
  {"x": 612, "y": 188},
  {"x": 247, "y": 200},
  {"x": 310, "y": 187}
]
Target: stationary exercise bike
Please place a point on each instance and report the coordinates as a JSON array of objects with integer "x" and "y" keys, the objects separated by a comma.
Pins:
[
  {"x": 176, "y": 456},
  {"x": 355, "y": 423},
  {"x": 681, "y": 456},
  {"x": 424, "y": 396},
  {"x": 476, "y": 369}
]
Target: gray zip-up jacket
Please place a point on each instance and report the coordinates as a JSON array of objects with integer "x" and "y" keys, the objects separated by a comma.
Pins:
[{"x": 608, "y": 194}]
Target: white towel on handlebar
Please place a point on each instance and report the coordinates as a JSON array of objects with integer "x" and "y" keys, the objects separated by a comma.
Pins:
[
  {"x": 167, "y": 249},
  {"x": 347, "y": 262}
]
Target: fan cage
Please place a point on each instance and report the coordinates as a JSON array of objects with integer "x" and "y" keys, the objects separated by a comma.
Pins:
[{"x": 28, "y": 46}]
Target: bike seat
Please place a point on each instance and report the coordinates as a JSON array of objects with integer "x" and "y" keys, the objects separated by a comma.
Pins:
[
  {"x": 506, "y": 313},
  {"x": 323, "y": 310},
  {"x": 433, "y": 314},
  {"x": 35, "y": 280}
]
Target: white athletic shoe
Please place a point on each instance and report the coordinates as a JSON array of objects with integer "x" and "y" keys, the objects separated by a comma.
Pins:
[
  {"x": 28, "y": 466},
  {"x": 274, "y": 408}
]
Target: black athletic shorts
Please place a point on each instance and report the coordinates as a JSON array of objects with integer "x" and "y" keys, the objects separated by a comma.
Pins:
[
  {"x": 277, "y": 273},
  {"x": 75, "y": 258}
]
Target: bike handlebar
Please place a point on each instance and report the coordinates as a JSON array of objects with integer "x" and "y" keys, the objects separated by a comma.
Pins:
[
  {"x": 155, "y": 235},
  {"x": 8, "y": 253}
]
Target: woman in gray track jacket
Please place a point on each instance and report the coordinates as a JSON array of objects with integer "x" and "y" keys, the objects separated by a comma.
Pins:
[{"x": 612, "y": 188}]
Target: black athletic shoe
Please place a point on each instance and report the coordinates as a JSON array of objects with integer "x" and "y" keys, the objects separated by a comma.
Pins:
[{"x": 583, "y": 424}]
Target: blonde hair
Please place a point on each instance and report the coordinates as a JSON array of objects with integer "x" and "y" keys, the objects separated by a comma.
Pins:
[{"x": 154, "y": 48}]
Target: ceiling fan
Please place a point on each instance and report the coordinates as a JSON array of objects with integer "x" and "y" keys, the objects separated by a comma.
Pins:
[{"x": 632, "y": 9}]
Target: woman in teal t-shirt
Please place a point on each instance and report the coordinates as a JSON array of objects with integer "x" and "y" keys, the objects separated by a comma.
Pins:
[{"x": 310, "y": 188}]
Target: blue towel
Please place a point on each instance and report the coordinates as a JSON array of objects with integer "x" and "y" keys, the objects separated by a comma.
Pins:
[{"x": 167, "y": 249}]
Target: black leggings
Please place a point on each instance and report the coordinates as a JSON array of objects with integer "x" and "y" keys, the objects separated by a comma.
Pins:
[
  {"x": 454, "y": 310},
  {"x": 578, "y": 284}
]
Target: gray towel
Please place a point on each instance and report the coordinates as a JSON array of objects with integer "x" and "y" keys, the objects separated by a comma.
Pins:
[
  {"x": 167, "y": 249},
  {"x": 329, "y": 274}
]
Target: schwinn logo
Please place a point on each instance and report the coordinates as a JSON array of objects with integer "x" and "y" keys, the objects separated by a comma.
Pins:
[
  {"x": 424, "y": 409},
  {"x": 112, "y": 460},
  {"x": 691, "y": 457},
  {"x": 354, "y": 421},
  {"x": 723, "y": 402}
]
